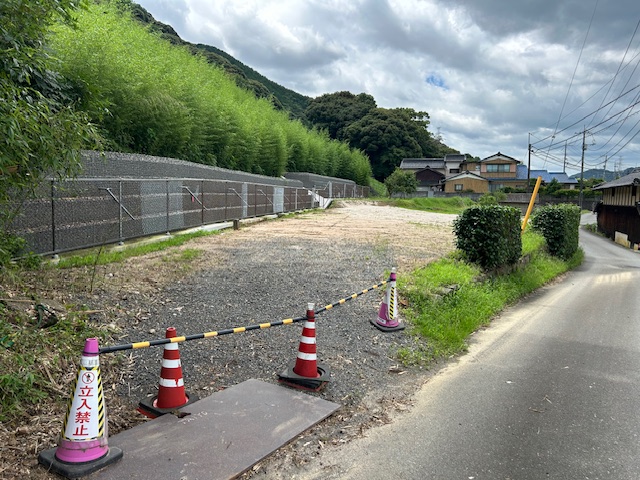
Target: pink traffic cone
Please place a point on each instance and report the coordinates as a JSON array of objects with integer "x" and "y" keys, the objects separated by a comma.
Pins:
[
  {"x": 387, "y": 319},
  {"x": 83, "y": 446}
]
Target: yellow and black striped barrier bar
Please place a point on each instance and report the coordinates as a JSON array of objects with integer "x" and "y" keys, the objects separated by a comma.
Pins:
[
  {"x": 355, "y": 295},
  {"x": 257, "y": 326}
]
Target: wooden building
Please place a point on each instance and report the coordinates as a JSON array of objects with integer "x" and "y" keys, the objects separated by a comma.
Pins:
[
  {"x": 619, "y": 210},
  {"x": 466, "y": 182}
]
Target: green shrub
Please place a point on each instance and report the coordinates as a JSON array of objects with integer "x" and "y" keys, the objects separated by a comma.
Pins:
[
  {"x": 487, "y": 199},
  {"x": 559, "y": 224},
  {"x": 400, "y": 181},
  {"x": 10, "y": 247},
  {"x": 489, "y": 235}
]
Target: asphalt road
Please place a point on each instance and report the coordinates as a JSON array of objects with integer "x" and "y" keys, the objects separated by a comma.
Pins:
[{"x": 550, "y": 390}]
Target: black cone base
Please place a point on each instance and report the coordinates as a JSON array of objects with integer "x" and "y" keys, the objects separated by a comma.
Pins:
[
  {"x": 292, "y": 379},
  {"x": 384, "y": 328},
  {"x": 77, "y": 470},
  {"x": 146, "y": 407}
]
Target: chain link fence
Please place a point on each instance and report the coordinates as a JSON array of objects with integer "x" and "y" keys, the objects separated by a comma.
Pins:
[{"x": 88, "y": 212}]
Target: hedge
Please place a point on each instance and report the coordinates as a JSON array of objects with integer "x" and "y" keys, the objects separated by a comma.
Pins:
[
  {"x": 489, "y": 235},
  {"x": 560, "y": 226}
]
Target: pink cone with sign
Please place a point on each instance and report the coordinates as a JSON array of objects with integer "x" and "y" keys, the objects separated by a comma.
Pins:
[
  {"x": 387, "y": 319},
  {"x": 83, "y": 446}
]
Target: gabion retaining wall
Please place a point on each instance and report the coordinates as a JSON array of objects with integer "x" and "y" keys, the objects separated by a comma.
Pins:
[{"x": 120, "y": 196}]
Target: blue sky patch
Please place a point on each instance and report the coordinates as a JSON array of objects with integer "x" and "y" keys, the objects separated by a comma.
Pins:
[{"x": 437, "y": 81}]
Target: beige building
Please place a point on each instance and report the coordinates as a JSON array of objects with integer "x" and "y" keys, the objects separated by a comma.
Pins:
[{"x": 466, "y": 182}]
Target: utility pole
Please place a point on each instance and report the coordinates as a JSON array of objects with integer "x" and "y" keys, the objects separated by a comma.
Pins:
[
  {"x": 529, "y": 165},
  {"x": 584, "y": 147},
  {"x": 604, "y": 174},
  {"x": 564, "y": 164}
]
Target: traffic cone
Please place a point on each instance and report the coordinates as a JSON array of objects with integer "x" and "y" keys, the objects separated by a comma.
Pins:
[
  {"x": 171, "y": 393},
  {"x": 306, "y": 373},
  {"x": 387, "y": 319},
  {"x": 83, "y": 446}
]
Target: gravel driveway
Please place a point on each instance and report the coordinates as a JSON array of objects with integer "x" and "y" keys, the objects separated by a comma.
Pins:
[{"x": 269, "y": 271}]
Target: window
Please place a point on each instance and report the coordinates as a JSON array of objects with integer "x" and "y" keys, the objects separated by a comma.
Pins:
[
  {"x": 454, "y": 170},
  {"x": 457, "y": 187},
  {"x": 498, "y": 167}
]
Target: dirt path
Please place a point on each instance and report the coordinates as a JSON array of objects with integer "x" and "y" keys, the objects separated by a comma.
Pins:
[{"x": 415, "y": 236}]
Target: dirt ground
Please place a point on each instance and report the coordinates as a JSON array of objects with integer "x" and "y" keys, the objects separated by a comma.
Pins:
[{"x": 415, "y": 237}]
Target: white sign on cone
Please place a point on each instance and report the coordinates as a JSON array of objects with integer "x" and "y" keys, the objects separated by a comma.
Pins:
[{"x": 85, "y": 419}]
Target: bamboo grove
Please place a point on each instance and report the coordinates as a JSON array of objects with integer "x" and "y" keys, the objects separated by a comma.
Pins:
[{"x": 148, "y": 96}]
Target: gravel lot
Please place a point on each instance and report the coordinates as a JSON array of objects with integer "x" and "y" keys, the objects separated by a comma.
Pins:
[
  {"x": 265, "y": 272},
  {"x": 269, "y": 271}
]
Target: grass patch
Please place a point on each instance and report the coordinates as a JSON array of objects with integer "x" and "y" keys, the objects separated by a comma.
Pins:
[
  {"x": 450, "y": 299},
  {"x": 181, "y": 256},
  {"x": 33, "y": 357},
  {"x": 378, "y": 189},
  {"x": 100, "y": 257},
  {"x": 532, "y": 242},
  {"x": 453, "y": 205}
]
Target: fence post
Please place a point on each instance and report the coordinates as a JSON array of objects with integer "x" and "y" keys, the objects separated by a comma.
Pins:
[
  {"x": 120, "y": 232},
  {"x": 167, "y": 184},
  {"x": 53, "y": 217},
  {"x": 202, "y": 202},
  {"x": 226, "y": 190}
]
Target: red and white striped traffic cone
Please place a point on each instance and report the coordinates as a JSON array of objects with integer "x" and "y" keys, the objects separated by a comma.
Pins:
[
  {"x": 83, "y": 447},
  {"x": 387, "y": 319},
  {"x": 306, "y": 373},
  {"x": 171, "y": 392}
]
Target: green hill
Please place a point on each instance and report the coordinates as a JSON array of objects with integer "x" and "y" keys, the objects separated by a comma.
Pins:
[
  {"x": 606, "y": 175},
  {"x": 148, "y": 95},
  {"x": 244, "y": 76}
]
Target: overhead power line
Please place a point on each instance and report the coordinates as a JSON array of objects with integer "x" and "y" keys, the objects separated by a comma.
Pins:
[
  {"x": 564, "y": 103},
  {"x": 616, "y": 74},
  {"x": 587, "y": 116}
]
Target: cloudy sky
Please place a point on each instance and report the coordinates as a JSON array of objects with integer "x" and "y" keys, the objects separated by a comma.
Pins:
[{"x": 489, "y": 72}]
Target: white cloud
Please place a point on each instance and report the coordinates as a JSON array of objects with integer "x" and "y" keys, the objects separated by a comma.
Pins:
[{"x": 498, "y": 69}]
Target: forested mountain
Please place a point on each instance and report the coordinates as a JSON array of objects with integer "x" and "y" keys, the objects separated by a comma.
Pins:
[
  {"x": 147, "y": 95},
  {"x": 245, "y": 76},
  {"x": 601, "y": 173},
  {"x": 385, "y": 135}
]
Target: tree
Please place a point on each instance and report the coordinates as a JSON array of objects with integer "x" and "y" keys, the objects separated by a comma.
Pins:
[
  {"x": 401, "y": 181},
  {"x": 552, "y": 187},
  {"x": 334, "y": 112},
  {"x": 389, "y": 135},
  {"x": 42, "y": 132}
]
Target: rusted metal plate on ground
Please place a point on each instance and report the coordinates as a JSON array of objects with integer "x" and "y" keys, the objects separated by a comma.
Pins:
[{"x": 224, "y": 435}]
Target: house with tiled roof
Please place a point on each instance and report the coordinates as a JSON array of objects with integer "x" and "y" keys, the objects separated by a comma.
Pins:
[
  {"x": 562, "y": 178},
  {"x": 499, "y": 170},
  {"x": 431, "y": 172}
]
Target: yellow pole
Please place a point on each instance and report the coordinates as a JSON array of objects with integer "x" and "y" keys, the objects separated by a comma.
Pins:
[{"x": 531, "y": 202}]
